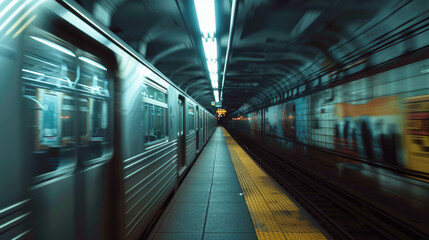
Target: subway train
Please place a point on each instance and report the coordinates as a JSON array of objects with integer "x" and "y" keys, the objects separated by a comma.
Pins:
[
  {"x": 369, "y": 136},
  {"x": 94, "y": 140}
]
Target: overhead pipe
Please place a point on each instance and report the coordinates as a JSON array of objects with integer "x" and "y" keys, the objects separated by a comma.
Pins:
[{"x": 230, "y": 39}]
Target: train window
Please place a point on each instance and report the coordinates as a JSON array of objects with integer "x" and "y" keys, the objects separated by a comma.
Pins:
[
  {"x": 49, "y": 63},
  {"x": 150, "y": 92},
  {"x": 67, "y": 116},
  {"x": 67, "y": 103},
  {"x": 93, "y": 77},
  {"x": 154, "y": 124},
  {"x": 83, "y": 119},
  {"x": 50, "y": 126},
  {"x": 92, "y": 85},
  {"x": 99, "y": 118},
  {"x": 144, "y": 121},
  {"x": 49, "y": 118},
  {"x": 190, "y": 126},
  {"x": 48, "y": 72}
]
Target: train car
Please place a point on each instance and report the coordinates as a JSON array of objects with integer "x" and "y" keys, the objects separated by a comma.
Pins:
[{"x": 94, "y": 139}]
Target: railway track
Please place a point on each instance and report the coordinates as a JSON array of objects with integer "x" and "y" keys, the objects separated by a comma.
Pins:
[{"x": 340, "y": 213}]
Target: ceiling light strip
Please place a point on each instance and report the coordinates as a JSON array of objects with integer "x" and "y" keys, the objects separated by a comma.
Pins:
[{"x": 207, "y": 21}]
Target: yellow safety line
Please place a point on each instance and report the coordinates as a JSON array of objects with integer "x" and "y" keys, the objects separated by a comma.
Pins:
[{"x": 274, "y": 214}]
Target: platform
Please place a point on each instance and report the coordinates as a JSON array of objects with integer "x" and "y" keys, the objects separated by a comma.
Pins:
[{"x": 228, "y": 196}]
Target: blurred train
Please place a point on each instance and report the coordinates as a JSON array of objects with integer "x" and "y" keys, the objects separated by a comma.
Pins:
[
  {"x": 93, "y": 139},
  {"x": 368, "y": 136}
]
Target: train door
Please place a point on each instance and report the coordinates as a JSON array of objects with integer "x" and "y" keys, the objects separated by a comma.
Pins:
[
  {"x": 207, "y": 126},
  {"x": 94, "y": 117},
  {"x": 198, "y": 128},
  {"x": 48, "y": 67},
  {"x": 204, "y": 126},
  {"x": 181, "y": 150},
  {"x": 69, "y": 128}
]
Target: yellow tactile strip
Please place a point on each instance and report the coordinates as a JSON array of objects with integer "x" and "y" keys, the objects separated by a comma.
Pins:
[{"x": 274, "y": 214}]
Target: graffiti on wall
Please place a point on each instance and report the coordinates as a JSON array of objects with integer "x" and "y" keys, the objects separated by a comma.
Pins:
[
  {"x": 417, "y": 132},
  {"x": 288, "y": 120},
  {"x": 371, "y": 130}
]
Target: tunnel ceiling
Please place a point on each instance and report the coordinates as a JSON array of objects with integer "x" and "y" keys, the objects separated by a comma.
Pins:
[{"x": 277, "y": 45}]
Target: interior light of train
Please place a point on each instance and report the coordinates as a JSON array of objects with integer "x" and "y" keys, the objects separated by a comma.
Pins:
[
  {"x": 33, "y": 72},
  {"x": 53, "y": 45},
  {"x": 206, "y": 17},
  {"x": 42, "y": 61},
  {"x": 93, "y": 63},
  {"x": 13, "y": 15}
]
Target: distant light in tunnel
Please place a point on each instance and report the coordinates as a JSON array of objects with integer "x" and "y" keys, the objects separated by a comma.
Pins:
[{"x": 207, "y": 21}]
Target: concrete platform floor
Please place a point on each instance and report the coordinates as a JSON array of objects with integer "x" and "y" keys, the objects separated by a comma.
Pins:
[{"x": 209, "y": 204}]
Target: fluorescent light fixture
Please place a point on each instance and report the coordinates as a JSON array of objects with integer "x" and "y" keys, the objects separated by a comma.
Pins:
[
  {"x": 216, "y": 95},
  {"x": 33, "y": 72},
  {"x": 215, "y": 80},
  {"x": 210, "y": 48},
  {"x": 207, "y": 21},
  {"x": 93, "y": 63},
  {"x": 206, "y": 17},
  {"x": 55, "y": 46},
  {"x": 212, "y": 65},
  {"x": 214, "y": 77}
]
